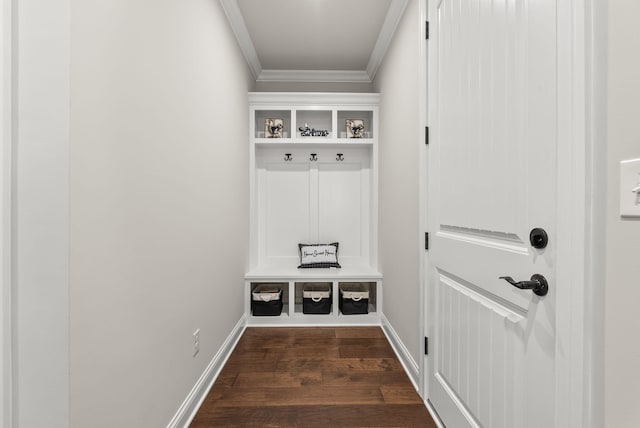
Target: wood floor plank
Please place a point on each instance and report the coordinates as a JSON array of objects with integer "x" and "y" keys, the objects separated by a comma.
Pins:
[
  {"x": 313, "y": 377},
  {"x": 349, "y": 379},
  {"x": 366, "y": 364},
  {"x": 238, "y": 365},
  {"x": 331, "y": 352},
  {"x": 278, "y": 379},
  {"x": 379, "y": 342},
  {"x": 261, "y": 332},
  {"x": 400, "y": 394},
  {"x": 365, "y": 416},
  {"x": 264, "y": 343},
  {"x": 276, "y": 397},
  {"x": 359, "y": 351},
  {"x": 409, "y": 416},
  {"x": 254, "y": 354},
  {"x": 312, "y": 342},
  {"x": 226, "y": 378},
  {"x": 249, "y": 417},
  {"x": 359, "y": 333}
]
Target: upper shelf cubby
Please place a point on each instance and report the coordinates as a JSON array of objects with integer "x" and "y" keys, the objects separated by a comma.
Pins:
[
  {"x": 273, "y": 123},
  {"x": 307, "y": 118},
  {"x": 355, "y": 124},
  {"x": 314, "y": 123}
]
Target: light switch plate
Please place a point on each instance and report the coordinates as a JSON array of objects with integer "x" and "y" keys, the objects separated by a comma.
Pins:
[{"x": 630, "y": 188}]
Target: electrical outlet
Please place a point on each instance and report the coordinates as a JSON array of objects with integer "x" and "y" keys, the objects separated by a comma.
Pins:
[{"x": 196, "y": 342}]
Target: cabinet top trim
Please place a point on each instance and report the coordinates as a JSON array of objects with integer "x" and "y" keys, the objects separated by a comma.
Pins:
[
  {"x": 273, "y": 273},
  {"x": 316, "y": 98}
]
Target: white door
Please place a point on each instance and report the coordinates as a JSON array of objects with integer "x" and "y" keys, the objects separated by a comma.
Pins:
[{"x": 492, "y": 174}]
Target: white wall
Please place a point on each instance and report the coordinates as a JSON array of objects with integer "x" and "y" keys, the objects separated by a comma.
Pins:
[
  {"x": 622, "y": 348},
  {"x": 159, "y": 203},
  {"x": 41, "y": 209},
  {"x": 397, "y": 81}
]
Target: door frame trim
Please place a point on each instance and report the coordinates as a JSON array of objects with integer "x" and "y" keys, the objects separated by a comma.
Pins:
[
  {"x": 6, "y": 235},
  {"x": 422, "y": 200},
  {"x": 580, "y": 196},
  {"x": 580, "y": 263}
]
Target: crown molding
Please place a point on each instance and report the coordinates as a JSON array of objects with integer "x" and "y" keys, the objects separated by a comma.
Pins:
[
  {"x": 277, "y": 99},
  {"x": 315, "y": 76},
  {"x": 236, "y": 20},
  {"x": 391, "y": 21}
]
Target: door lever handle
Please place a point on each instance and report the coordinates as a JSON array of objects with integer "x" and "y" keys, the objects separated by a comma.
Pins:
[{"x": 538, "y": 284}]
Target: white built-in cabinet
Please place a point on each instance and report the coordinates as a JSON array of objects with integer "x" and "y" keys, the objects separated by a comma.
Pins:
[{"x": 313, "y": 189}]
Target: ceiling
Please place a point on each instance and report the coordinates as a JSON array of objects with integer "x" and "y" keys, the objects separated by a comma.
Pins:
[{"x": 314, "y": 40}]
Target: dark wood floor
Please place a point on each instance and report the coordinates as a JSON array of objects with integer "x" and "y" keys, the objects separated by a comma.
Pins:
[{"x": 313, "y": 377}]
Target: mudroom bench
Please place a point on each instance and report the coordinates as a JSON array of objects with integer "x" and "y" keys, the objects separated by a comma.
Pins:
[
  {"x": 313, "y": 177},
  {"x": 293, "y": 282}
]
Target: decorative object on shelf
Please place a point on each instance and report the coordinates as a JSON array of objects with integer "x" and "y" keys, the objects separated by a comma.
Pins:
[
  {"x": 305, "y": 131},
  {"x": 318, "y": 256},
  {"x": 355, "y": 128},
  {"x": 313, "y": 157},
  {"x": 339, "y": 157},
  {"x": 273, "y": 127},
  {"x": 287, "y": 157}
]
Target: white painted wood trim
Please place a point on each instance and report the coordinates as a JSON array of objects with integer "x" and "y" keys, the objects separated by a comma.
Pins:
[
  {"x": 193, "y": 401},
  {"x": 290, "y": 100},
  {"x": 422, "y": 195},
  {"x": 434, "y": 414},
  {"x": 573, "y": 219},
  {"x": 311, "y": 275},
  {"x": 6, "y": 185},
  {"x": 234, "y": 15},
  {"x": 410, "y": 365},
  {"x": 391, "y": 21},
  {"x": 375, "y": 187},
  {"x": 596, "y": 116},
  {"x": 314, "y": 76}
]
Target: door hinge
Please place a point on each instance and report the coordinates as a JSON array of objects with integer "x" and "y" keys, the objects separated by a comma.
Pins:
[
  {"x": 426, "y": 135},
  {"x": 426, "y": 346},
  {"x": 426, "y": 240},
  {"x": 427, "y": 30}
]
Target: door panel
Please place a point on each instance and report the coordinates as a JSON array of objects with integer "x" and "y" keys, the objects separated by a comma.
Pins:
[
  {"x": 492, "y": 172},
  {"x": 480, "y": 344}
]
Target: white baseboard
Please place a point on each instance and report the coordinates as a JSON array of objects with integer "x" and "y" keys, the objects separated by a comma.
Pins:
[
  {"x": 407, "y": 361},
  {"x": 434, "y": 414},
  {"x": 192, "y": 403},
  {"x": 410, "y": 366}
]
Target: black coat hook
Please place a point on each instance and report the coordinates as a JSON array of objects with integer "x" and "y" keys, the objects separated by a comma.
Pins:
[
  {"x": 339, "y": 157},
  {"x": 287, "y": 157},
  {"x": 314, "y": 157}
]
